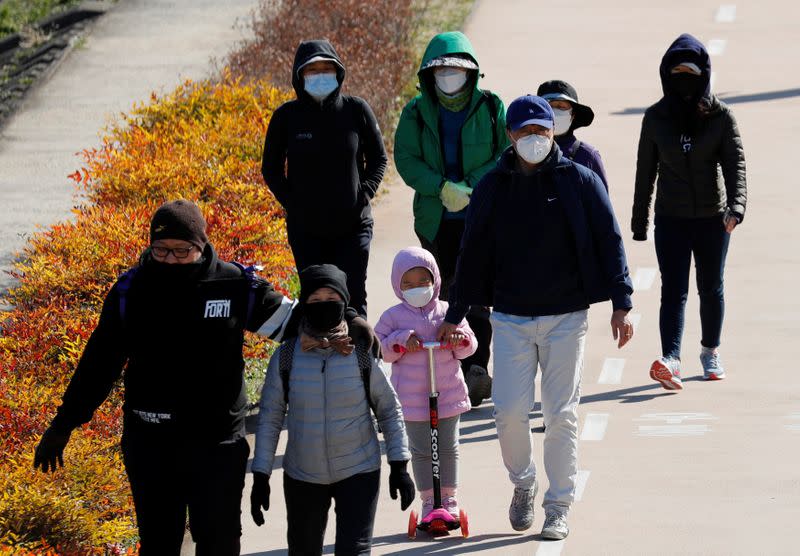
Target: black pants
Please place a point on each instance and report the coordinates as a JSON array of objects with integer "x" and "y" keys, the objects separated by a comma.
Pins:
[
  {"x": 677, "y": 241},
  {"x": 445, "y": 248},
  {"x": 167, "y": 478},
  {"x": 307, "y": 506},
  {"x": 349, "y": 253}
]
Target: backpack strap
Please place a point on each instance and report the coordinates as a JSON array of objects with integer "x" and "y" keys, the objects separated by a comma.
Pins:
[
  {"x": 365, "y": 367},
  {"x": 249, "y": 272},
  {"x": 123, "y": 286},
  {"x": 285, "y": 360}
]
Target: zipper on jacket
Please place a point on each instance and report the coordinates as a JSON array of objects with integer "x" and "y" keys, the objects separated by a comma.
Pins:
[{"x": 325, "y": 415}]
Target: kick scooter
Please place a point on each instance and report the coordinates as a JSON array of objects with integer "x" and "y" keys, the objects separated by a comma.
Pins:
[{"x": 439, "y": 522}]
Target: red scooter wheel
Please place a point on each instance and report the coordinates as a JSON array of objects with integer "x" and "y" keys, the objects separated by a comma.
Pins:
[
  {"x": 412, "y": 525},
  {"x": 462, "y": 517}
]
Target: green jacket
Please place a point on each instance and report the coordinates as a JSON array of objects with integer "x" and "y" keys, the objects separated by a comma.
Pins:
[{"x": 418, "y": 151}]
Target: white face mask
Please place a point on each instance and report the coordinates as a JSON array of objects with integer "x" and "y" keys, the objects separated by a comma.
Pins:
[
  {"x": 450, "y": 80},
  {"x": 533, "y": 148},
  {"x": 320, "y": 85},
  {"x": 563, "y": 121},
  {"x": 418, "y": 297}
]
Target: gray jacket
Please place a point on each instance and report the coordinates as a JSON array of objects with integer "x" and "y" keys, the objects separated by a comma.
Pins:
[{"x": 331, "y": 432}]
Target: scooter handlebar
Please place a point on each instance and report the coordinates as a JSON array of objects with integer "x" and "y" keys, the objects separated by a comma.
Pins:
[{"x": 432, "y": 345}]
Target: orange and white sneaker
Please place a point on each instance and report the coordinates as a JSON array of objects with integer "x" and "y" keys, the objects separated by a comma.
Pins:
[{"x": 667, "y": 372}]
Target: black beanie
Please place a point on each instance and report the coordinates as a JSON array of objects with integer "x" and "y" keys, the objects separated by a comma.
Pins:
[
  {"x": 319, "y": 276},
  {"x": 179, "y": 219}
]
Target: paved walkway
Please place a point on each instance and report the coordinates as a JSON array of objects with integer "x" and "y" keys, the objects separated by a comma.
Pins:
[
  {"x": 137, "y": 47},
  {"x": 712, "y": 470}
]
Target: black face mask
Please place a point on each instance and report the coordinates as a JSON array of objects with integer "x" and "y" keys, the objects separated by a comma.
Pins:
[
  {"x": 685, "y": 85},
  {"x": 174, "y": 273},
  {"x": 324, "y": 315}
]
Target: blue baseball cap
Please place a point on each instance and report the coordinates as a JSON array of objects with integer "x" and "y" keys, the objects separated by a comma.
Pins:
[{"x": 527, "y": 110}]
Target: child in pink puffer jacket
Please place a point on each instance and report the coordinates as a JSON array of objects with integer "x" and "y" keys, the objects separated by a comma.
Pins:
[{"x": 416, "y": 282}]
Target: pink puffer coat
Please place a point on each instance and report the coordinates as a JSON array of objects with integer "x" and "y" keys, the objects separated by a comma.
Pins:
[{"x": 410, "y": 370}]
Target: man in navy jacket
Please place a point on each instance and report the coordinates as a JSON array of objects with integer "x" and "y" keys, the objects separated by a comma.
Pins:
[{"x": 541, "y": 244}]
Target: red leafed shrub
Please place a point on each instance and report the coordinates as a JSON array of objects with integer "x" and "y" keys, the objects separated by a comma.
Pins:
[{"x": 372, "y": 38}]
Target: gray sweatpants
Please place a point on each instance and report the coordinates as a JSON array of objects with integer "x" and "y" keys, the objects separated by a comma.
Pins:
[{"x": 419, "y": 442}]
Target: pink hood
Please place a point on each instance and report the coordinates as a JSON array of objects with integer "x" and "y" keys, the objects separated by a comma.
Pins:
[{"x": 412, "y": 257}]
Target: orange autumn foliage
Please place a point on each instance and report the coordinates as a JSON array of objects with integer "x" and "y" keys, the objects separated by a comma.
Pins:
[{"x": 202, "y": 142}]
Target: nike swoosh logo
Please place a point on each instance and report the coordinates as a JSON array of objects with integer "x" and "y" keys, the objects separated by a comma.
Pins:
[{"x": 549, "y": 200}]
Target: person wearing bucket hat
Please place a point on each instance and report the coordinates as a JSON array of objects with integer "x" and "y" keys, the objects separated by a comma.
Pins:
[
  {"x": 572, "y": 256},
  {"x": 691, "y": 152},
  {"x": 324, "y": 160},
  {"x": 175, "y": 323},
  {"x": 448, "y": 137},
  {"x": 569, "y": 115}
]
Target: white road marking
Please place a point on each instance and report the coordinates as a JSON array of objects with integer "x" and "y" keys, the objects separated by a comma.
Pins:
[
  {"x": 612, "y": 371},
  {"x": 794, "y": 427},
  {"x": 726, "y": 13},
  {"x": 580, "y": 483},
  {"x": 674, "y": 424},
  {"x": 712, "y": 80},
  {"x": 716, "y": 47},
  {"x": 635, "y": 319},
  {"x": 594, "y": 426},
  {"x": 550, "y": 548},
  {"x": 644, "y": 277}
]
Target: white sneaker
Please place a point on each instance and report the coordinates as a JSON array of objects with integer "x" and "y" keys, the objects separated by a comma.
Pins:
[
  {"x": 712, "y": 365},
  {"x": 667, "y": 372},
  {"x": 555, "y": 526}
]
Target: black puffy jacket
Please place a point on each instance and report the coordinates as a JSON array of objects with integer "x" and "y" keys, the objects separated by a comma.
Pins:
[{"x": 700, "y": 168}]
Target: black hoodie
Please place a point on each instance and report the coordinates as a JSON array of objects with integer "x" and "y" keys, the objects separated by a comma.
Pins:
[
  {"x": 181, "y": 337},
  {"x": 693, "y": 147},
  {"x": 323, "y": 161}
]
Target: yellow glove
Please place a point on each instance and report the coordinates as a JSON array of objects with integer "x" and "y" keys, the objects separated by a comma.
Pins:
[{"x": 455, "y": 196}]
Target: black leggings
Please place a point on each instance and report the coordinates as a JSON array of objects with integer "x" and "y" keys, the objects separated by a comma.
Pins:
[
  {"x": 307, "y": 506},
  {"x": 167, "y": 480}
]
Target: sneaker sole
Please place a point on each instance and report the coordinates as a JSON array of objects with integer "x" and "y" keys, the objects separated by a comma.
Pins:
[
  {"x": 714, "y": 376},
  {"x": 660, "y": 373},
  {"x": 551, "y": 535}
]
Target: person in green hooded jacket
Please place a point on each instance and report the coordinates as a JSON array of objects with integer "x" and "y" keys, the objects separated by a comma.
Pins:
[{"x": 448, "y": 137}]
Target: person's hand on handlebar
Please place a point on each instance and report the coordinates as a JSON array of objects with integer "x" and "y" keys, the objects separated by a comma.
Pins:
[
  {"x": 446, "y": 331},
  {"x": 413, "y": 344}
]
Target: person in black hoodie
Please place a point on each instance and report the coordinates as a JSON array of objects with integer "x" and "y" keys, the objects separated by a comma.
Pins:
[
  {"x": 178, "y": 320},
  {"x": 690, "y": 140},
  {"x": 324, "y": 160}
]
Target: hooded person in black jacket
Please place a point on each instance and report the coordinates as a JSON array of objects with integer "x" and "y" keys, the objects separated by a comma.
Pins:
[
  {"x": 690, "y": 140},
  {"x": 324, "y": 160},
  {"x": 178, "y": 320}
]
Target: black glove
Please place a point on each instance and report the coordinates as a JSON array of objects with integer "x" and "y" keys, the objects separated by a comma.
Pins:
[
  {"x": 399, "y": 479},
  {"x": 639, "y": 236},
  {"x": 363, "y": 334},
  {"x": 259, "y": 497},
  {"x": 50, "y": 451}
]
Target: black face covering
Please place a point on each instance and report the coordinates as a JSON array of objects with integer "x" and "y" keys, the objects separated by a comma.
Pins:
[
  {"x": 174, "y": 273},
  {"x": 685, "y": 85},
  {"x": 324, "y": 315}
]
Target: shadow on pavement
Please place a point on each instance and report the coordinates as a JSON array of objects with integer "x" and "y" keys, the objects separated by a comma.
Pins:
[
  {"x": 727, "y": 98},
  {"x": 629, "y": 395}
]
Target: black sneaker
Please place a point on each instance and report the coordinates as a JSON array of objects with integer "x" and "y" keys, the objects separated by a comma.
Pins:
[{"x": 479, "y": 384}]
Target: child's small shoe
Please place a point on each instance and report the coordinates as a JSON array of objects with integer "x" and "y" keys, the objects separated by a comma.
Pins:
[
  {"x": 450, "y": 504},
  {"x": 427, "y": 507}
]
